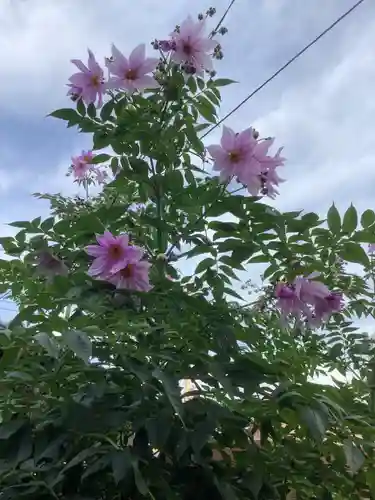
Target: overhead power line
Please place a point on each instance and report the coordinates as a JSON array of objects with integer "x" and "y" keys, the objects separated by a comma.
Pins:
[{"x": 296, "y": 56}]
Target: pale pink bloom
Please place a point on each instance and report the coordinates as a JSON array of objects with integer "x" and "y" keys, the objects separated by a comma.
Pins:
[
  {"x": 269, "y": 180},
  {"x": 331, "y": 303},
  {"x": 101, "y": 176},
  {"x": 89, "y": 82},
  {"x": 132, "y": 277},
  {"x": 287, "y": 300},
  {"x": 234, "y": 153},
  {"x": 192, "y": 45},
  {"x": 112, "y": 254},
  {"x": 81, "y": 165},
  {"x": 309, "y": 291},
  {"x": 371, "y": 248},
  {"x": 132, "y": 74}
]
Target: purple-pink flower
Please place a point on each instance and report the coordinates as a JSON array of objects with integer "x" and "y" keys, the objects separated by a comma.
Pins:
[
  {"x": 191, "y": 45},
  {"x": 243, "y": 156},
  {"x": 134, "y": 276},
  {"x": 89, "y": 83},
  {"x": 132, "y": 74},
  {"x": 119, "y": 263},
  {"x": 81, "y": 165},
  {"x": 112, "y": 254},
  {"x": 307, "y": 299},
  {"x": 234, "y": 153}
]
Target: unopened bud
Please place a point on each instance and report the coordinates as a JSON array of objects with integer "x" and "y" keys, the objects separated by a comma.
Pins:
[
  {"x": 255, "y": 134},
  {"x": 212, "y": 74},
  {"x": 211, "y": 11},
  {"x": 200, "y": 17},
  {"x": 223, "y": 30},
  {"x": 155, "y": 44}
]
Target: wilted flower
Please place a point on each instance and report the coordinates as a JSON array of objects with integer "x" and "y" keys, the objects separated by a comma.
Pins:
[
  {"x": 89, "y": 82},
  {"x": 49, "y": 266},
  {"x": 101, "y": 175},
  {"x": 132, "y": 74}
]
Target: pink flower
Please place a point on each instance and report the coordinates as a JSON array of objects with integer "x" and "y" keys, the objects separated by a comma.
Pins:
[
  {"x": 309, "y": 291},
  {"x": 245, "y": 157},
  {"x": 132, "y": 277},
  {"x": 101, "y": 176},
  {"x": 81, "y": 165},
  {"x": 112, "y": 254},
  {"x": 287, "y": 300},
  {"x": 371, "y": 248},
  {"x": 331, "y": 303},
  {"x": 234, "y": 153},
  {"x": 192, "y": 46},
  {"x": 131, "y": 74},
  {"x": 89, "y": 82}
]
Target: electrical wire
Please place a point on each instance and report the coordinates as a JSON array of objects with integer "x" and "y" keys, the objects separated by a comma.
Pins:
[
  {"x": 296, "y": 56},
  {"x": 223, "y": 17}
]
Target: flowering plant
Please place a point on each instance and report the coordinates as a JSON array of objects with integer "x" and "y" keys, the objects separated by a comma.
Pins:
[{"x": 138, "y": 366}]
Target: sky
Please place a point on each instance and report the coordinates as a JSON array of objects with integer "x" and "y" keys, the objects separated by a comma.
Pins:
[{"x": 320, "y": 109}]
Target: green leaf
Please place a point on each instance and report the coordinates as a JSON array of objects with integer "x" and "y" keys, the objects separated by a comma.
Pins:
[
  {"x": 67, "y": 114},
  {"x": 138, "y": 478},
  {"x": 223, "y": 82},
  {"x": 206, "y": 109},
  {"x": 368, "y": 218},
  {"x": 49, "y": 344},
  {"x": 7, "y": 429},
  {"x": 316, "y": 422},
  {"x": 354, "y": 456},
  {"x": 353, "y": 252},
  {"x": 102, "y": 158},
  {"x": 192, "y": 84},
  {"x": 47, "y": 224},
  {"x": 79, "y": 343},
  {"x": 334, "y": 220},
  {"x": 172, "y": 390},
  {"x": 121, "y": 464},
  {"x": 350, "y": 220},
  {"x": 204, "y": 264}
]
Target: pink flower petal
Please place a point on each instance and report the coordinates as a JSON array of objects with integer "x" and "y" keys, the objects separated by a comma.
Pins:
[{"x": 137, "y": 56}]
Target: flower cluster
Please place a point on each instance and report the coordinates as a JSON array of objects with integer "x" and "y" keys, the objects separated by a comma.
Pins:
[
  {"x": 119, "y": 263},
  {"x": 308, "y": 299},
  {"x": 190, "y": 47},
  {"x": 84, "y": 171},
  {"x": 245, "y": 157},
  {"x": 127, "y": 74}
]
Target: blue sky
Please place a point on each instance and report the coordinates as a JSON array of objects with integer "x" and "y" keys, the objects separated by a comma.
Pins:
[{"x": 321, "y": 108}]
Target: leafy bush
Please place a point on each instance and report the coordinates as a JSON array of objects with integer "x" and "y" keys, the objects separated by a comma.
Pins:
[{"x": 122, "y": 378}]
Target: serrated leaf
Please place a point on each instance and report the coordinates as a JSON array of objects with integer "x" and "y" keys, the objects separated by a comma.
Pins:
[
  {"x": 204, "y": 264},
  {"x": 368, "y": 218},
  {"x": 102, "y": 158},
  {"x": 79, "y": 343},
  {"x": 66, "y": 114},
  {"x": 353, "y": 252},
  {"x": 223, "y": 82},
  {"x": 350, "y": 220},
  {"x": 334, "y": 220}
]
